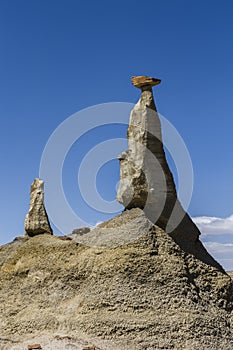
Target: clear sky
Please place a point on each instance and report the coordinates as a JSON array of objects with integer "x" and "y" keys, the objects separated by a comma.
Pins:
[{"x": 60, "y": 56}]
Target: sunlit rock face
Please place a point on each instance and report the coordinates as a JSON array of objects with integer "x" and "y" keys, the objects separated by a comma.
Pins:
[
  {"x": 36, "y": 221},
  {"x": 145, "y": 178},
  {"x": 146, "y": 181}
]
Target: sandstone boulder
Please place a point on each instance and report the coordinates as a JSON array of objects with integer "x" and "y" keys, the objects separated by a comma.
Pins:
[
  {"x": 36, "y": 221},
  {"x": 142, "y": 81},
  {"x": 34, "y": 347}
]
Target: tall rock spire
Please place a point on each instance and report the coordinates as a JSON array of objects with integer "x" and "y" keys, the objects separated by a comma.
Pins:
[
  {"x": 36, "y": 221},
  {"x": 146, "y": 181}
]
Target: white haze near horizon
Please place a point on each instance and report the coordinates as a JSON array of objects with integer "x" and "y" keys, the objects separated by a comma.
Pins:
[{"x": 212, "y": 229}]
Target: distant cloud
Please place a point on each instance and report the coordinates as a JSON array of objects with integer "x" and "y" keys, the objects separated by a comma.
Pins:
[
  {"x": 222, "y": 252},
  {"x": 220, "y": 248},
  {"x": 217, "y": 228},
  {"x": 214, "y": 226}
]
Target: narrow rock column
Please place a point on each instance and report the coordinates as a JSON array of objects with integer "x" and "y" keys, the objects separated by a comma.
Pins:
[
  {"x": 145, "y": 178},
  {"x": 36, "y": 221}
]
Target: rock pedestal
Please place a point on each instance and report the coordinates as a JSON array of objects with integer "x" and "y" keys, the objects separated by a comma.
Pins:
[
  {"x": 36, "y": 221},
  {"x": 146, "y": 181}
]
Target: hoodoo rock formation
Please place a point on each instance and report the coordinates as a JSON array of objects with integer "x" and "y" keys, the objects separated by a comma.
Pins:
[
  {"x": 145, "y": 178},
  {"x": 142, "y": 280},
  {"x": 36, "y": 221},
  {"x": 146, "y": 181}
]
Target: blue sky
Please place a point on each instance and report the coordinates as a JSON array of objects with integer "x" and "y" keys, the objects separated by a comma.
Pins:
[{"x": 58, "y": 57}]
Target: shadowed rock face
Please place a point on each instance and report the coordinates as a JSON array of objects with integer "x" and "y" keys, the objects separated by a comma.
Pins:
[
  {"x": 146, "y": 181},
  {"x": 36, "y": 221}
]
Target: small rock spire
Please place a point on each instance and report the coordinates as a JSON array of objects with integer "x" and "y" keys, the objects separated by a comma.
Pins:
[{"x": 36, "y": 221}]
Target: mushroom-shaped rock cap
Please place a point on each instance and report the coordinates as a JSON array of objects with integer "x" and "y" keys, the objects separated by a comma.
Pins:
[{"x": 141, "y": 81}]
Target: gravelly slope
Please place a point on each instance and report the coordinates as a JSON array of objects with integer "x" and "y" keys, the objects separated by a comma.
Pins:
[{"x": 146, "y": 293}]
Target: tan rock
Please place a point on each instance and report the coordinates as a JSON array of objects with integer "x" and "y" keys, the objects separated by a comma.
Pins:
[
  {"x": 146, "y": 181},
  {"x": 65, "y": 238},
  {"x": 80, "y": 231},
  {"x": 145, "y": 178},
  {"x": 137, "y": 295},
  {"x": 142, "y": 81},
  {"x": 36, "y": 221},
  {"x": 34, "y": 347}
]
